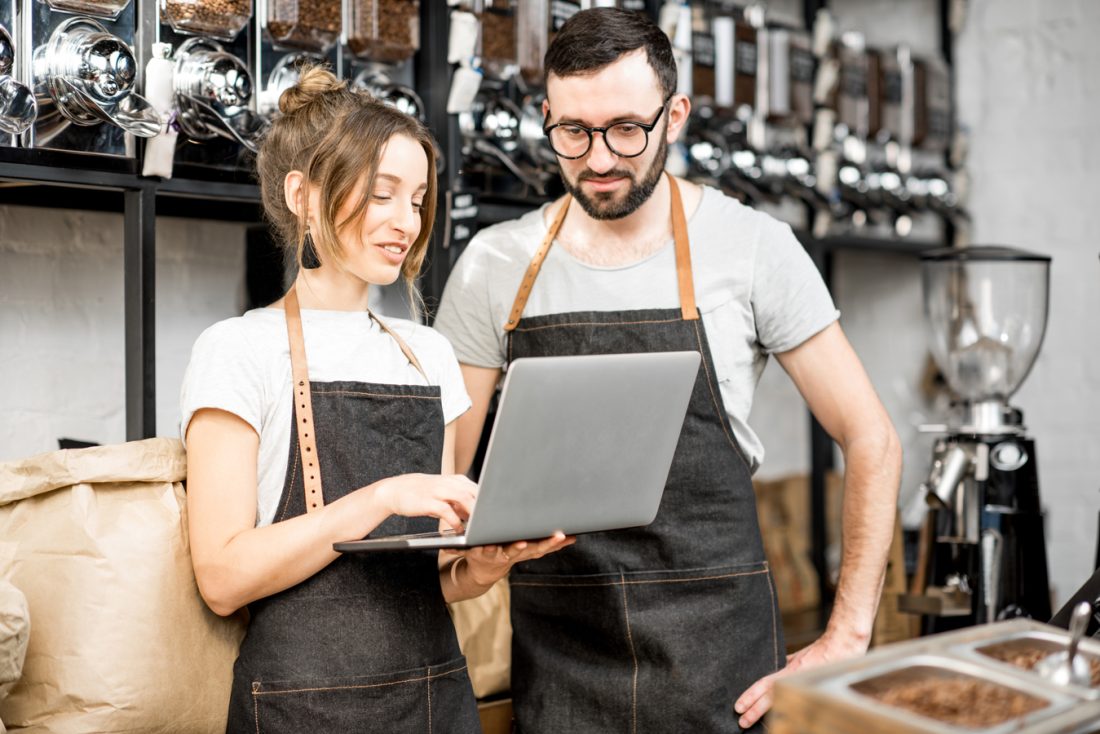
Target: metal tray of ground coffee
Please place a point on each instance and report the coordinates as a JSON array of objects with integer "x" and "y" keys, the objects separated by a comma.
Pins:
[
  {"x": 1024, "y": 648},
  {"x": 955, "y": 696},
  {"x": 840, "y": 698}
]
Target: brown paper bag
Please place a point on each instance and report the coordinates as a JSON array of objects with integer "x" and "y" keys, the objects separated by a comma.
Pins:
[
  {"x": 14, "y": 633},
  {"x": 484, "y": 628},
  {"x": 120, "y": 639}
]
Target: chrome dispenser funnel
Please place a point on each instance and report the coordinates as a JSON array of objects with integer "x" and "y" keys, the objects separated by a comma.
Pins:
[
  {"x": 985, "y": 312},
  {"x": 85, "y": 75},
  {"x": 213, "y": 91},
  {"x": 17, "y": 106}
]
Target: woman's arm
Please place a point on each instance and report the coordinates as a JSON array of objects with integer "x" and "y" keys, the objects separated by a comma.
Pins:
[{"x": 236, "y": 562}]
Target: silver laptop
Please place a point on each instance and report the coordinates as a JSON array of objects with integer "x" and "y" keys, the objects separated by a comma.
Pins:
[{"x": 580, "y": 444}]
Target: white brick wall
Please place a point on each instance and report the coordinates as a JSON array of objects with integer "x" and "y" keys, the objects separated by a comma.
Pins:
[{"x": 61, "y": 320}]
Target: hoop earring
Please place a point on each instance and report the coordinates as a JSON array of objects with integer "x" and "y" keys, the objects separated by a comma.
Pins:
[{"x": 310, "y": 261}]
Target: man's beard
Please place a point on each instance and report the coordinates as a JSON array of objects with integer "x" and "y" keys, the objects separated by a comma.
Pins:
[{"x": 602, "y": 204}]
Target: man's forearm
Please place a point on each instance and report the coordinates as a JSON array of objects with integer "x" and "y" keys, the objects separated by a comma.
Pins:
[{"x": 872, "y": 476}]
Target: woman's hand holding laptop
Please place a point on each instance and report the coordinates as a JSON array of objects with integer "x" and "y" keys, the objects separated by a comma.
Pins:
[
  {"x": 490, "y": 563},
  {"x": 472, "y": 571}
]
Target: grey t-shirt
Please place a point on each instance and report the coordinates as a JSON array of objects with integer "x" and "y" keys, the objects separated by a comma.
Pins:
[{"x": 756, "y": 288}]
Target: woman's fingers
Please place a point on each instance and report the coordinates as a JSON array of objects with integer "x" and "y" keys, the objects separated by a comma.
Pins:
[
  {"x": 447, "y": 514},
  {"x": 459, "y": 491},
  {"x": 458, "y": 497},
  {"x": 525, "y": 551}
]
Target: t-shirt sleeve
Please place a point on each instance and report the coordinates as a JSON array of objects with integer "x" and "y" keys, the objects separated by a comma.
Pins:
[
  {"x": 452, "y": 388},
  {"x": 789, "y": 298},
  {"x": 465, "y": 313},
  {"x": 224, "y": 373}
]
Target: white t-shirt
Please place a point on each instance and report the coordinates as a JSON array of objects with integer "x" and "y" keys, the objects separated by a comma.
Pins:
[
  {"x": 242, "y": 366},
  {"x": 756, "y": 288}
]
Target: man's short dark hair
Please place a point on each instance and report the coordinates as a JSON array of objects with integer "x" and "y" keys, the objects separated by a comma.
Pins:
[{"x": 596, "y": 38}]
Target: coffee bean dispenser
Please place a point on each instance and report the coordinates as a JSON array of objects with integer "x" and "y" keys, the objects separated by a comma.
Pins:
[
  {"x": 213, "y": 84},
  {"x": 84, "y": 75},
  {"x": 17, "y": 106}
]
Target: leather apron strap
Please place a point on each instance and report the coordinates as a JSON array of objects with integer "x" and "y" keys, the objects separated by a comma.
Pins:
[
  {"x": 303, "y": 402},
  {"x": 683, "y": 254},
  {"x": 532, "y": 273},
  {"x": 684, "y": 279},
  {"x": 401, "y": 343}
]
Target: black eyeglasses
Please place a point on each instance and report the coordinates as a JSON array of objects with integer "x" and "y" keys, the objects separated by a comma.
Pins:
[{"x": 626, "y": 139}]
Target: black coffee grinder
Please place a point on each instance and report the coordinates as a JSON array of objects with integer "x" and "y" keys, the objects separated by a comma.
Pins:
[{"x": 982, "y": 552}]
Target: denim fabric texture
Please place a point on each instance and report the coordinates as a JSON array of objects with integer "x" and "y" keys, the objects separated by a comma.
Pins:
[
  {"x": 654, "y": 629},
  {"x": 366, "y": 644}
]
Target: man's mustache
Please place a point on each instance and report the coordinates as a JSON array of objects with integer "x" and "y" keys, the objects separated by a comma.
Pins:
[{"x": 615, "y": 173}]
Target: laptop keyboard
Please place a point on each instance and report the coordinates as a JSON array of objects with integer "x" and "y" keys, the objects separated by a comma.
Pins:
[{"x": 446, "y": 533}]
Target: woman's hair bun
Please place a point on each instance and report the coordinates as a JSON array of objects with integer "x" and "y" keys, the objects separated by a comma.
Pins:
[{"x": 313, "y": 81}]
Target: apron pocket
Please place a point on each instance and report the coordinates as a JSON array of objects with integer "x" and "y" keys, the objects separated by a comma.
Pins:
[
  {"x": 648, "y": 651},
  {"x": 701, "y": 638},
  {"x": 437, "y": 698}
]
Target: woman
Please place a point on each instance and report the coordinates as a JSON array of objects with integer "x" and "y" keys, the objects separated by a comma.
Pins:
[{"x": 336, "y": 643}]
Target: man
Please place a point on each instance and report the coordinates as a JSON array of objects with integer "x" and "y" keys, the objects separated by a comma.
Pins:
[{"x": 673, "y": 627}]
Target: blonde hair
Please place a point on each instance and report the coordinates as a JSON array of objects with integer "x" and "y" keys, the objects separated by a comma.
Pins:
[{"x": 335, "y": 135}]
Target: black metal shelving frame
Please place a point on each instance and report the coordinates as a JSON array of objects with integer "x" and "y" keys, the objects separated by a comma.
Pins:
[{"x": 115, "y": 185}]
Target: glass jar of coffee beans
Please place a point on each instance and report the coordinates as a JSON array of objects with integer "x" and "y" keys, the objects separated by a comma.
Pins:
[
  {"x": 498, "y": 37},
  {"x": 310, "y": 25},
  {"x": 220, "y": 19},
  {"x": 387, "y": 31}
]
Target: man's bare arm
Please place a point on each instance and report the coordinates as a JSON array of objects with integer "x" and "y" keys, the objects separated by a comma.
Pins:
[
  {"x": 481, "y": 383},
  {"x": 835, "y": 386}
]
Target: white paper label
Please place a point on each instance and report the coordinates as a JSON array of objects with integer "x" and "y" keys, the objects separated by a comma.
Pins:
[
  {"x": 464, "y": 86},
  {"x": 462, "y": 42}
]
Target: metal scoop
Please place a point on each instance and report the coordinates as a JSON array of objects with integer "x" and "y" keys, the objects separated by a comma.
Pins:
[{"x": 1066, "y": 667}]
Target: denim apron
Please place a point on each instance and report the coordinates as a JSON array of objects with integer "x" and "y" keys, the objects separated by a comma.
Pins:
[
  {"x": 366, "y": 644},
  {"x": 654, "y": 629}
]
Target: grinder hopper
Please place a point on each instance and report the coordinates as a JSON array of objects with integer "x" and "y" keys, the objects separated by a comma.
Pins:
[{"x": 985, "y": 311}]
